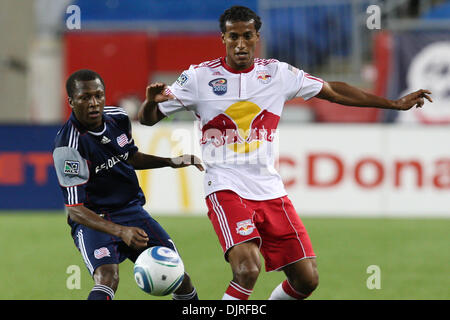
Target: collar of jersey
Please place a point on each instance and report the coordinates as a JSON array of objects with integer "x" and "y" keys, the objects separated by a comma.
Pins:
[
  {"x": 230, "y": 69},
  {"x": 83, "y": 129}
]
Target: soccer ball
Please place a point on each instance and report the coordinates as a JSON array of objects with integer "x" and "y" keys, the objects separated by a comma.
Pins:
[{"x": 159, "y": 271}]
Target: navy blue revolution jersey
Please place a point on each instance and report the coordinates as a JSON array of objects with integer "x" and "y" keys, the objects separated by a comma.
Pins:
[{"x": 92, "y": 167}]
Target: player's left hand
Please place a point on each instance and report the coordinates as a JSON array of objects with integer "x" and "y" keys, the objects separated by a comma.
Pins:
[
  {"x": 413, "y": 99},
  {"x": 186, "y": 160}
]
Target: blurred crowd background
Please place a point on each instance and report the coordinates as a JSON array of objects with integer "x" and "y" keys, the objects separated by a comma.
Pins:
[
  {"x": 388, "y": 47},
  {"x": 131, "y": 43}
]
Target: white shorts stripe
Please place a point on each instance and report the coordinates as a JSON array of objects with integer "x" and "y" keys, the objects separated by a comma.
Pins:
[
  {"x": 223, "y": 217},
  {"x": 222, "y": 221},
  {"x": 290, "y": 222},
  {"x": 219, "y": 218},
  {"x": 83, "y": 252},
  {"x": 225, "y": 220}
]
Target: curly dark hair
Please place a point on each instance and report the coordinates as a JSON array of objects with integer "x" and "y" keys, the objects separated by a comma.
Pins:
[
  {"x": 81, "y": 75},
  {"x": 239, "y": 13}
]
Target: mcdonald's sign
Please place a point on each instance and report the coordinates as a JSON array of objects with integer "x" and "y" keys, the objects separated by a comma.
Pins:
[{"x": 167, "y": 190}]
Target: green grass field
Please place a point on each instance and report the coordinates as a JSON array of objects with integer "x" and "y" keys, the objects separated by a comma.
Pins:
[{"x": 413, "y": 256}]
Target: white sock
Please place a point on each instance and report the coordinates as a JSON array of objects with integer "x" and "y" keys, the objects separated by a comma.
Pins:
[
  {"x": 279, "y": 294},
  {"x": 226, "y": 296},
  {"x": 284, "y": 291}
]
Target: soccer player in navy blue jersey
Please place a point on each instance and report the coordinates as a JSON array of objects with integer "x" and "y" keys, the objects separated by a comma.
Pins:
[{"x": 95, "y": 160}]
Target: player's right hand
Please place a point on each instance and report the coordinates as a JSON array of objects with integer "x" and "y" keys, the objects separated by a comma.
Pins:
[
  {"x": 134, "y": 237},
  {"x": 158, "y": 92}
]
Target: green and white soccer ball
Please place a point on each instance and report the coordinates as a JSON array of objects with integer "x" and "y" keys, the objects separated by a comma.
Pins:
[{"x": 159, "y": 271}]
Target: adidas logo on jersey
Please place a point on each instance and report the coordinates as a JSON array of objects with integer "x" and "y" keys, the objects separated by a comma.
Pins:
[{"x": 105, "y": 140}]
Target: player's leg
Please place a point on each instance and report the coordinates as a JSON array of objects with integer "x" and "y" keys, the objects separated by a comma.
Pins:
[
  {"x": 286, "y": 246},
  {"x": 100, "y": 255},
  {"x": 106, "y": 279},
  {"x": 302, "y": 280},
  {"x": 233, "y": 223},
  {"x": 159, "y": 237},
  {"x": 245, "y": 265}
]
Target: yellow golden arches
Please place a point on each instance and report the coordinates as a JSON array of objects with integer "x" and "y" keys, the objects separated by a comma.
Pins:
[{"x": 145, "y": 175}]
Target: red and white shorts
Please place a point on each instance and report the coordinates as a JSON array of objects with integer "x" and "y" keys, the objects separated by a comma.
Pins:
[{"x": 274, "y": 223}]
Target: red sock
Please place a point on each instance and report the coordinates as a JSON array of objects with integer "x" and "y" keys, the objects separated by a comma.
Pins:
[{"x": 236, "y": 292}]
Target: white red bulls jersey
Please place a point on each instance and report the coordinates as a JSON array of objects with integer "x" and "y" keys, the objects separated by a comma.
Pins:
[{"x": 239, "y": 113}]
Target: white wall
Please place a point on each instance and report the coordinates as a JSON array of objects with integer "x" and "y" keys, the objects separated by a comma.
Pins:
[{"x": 341, "y": 170}]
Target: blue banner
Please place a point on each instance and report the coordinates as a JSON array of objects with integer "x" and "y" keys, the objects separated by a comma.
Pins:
[
  {"x": 27, "y": 176},
  {"x": 420, "y": 60}
]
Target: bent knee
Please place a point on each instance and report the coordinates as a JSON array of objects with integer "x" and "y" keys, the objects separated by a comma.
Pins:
[
  {"x": 246, "y": 273},
  {"x": 306, "y": 284},
  {"x": 311, "y": 283},
  {"x": 245, "y": 264}
]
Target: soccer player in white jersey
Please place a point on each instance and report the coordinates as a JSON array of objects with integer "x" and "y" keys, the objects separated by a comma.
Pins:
[{"x": 238, "y": 100}]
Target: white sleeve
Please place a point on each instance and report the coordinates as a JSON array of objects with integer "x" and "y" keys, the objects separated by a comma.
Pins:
[
  {"x": 185, "y": 91},
  {"x": 298, "y": 83}
]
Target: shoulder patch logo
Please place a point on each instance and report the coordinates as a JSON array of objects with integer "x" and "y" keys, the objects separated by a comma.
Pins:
[
  {"x": 182, "y": 79},
  {"x": 219, "y": 86},
  {"x": 71, "y": 167},
  {"x": 294, "y": 70}
]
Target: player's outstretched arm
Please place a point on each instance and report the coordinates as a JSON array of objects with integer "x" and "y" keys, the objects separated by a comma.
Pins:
[
  {"x": 132, "y": 236},
  {"x": 149, "y": 113},
  {"x": 142, "y": 161},
  {"x": 345, "y": 94}
]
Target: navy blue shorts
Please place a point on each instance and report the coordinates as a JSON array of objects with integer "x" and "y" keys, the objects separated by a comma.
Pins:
[{"x": 99, "y": 248}]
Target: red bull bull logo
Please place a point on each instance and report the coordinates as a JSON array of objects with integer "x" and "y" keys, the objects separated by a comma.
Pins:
[
  {"x": 263, "y": 77},
  {"x": 242, "y": 127},
  {"x": 244, "y": 228}
]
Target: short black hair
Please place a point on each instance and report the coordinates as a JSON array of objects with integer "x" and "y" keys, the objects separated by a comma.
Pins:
[
  {"x": 81, "y": 75},
  {"x": 239, "y": 13}
]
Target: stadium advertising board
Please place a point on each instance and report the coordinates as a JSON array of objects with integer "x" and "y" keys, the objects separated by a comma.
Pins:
[
  {"x": 351, "y": 170},
  {"x": 27, "y": 177}
]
